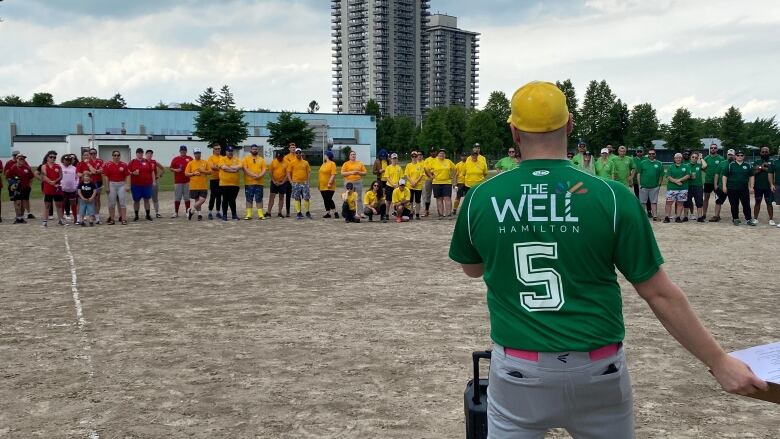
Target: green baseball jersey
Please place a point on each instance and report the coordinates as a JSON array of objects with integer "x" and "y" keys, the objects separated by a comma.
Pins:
[
  {"x": 738, "y": 175},
  {"x": 603, "y": 168},
  {"x": 638, "y": 161},
  {"x": 677, "y": 172},
  {"x": 696, "y": 175},
  {"x": 622, "y": 167},
  {"x": 506, "y": 164},
  {"x": 549, "y": 237},
  {"x": 577, "y": 160},
  {"x": 713, "y": 167},
  {"x": 762, "y": 170},
  {"x": 650, "y": 173}
]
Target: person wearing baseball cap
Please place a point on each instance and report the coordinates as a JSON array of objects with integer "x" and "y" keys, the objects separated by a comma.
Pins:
[
  {"x": 20, "y": 176},
  {"x": 737, "y": 179},
  {"x": 299, "y": 174},
  {"x": 198, "y": 170},
  {"x": 254, "y": 178},
  {"x": 141, "y": 182},
  {"x": 181, "y": 183},
  {"x": 603, "y": 165},
  {"x": 402, "y": 201},
  {"x": 558, "y": 358},
  {"x": 229, "y": 185},
  {"x": 327, "y": 184},
  {"x": 577, "y": 159},
  {"x": 349, "y": 204},
  {"x": 720, "y": 190},
  {"x": 393, "y": 173}
]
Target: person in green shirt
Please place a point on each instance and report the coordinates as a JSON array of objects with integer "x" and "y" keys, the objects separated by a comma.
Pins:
[
  {"x": 737, "y": 179},
  {"x": 677, "y": 176},
  {"x": 509, "y": 162},
  {"x": 623, "y": 169},
  {"x": 764, "y": 184},
  {"x": 587, "y": 162},
  {"x": 650, "y": 175},
  {"x": 695, "y": 188},
  {"x": 556, "y": 322},
  {"x": 603, "y": 165},
  {"x": 578, "y": 158},
  {"x": 713, "y": 160},
  {"x": 776, "y": 163},
  {"x": 718, "y": 184}
]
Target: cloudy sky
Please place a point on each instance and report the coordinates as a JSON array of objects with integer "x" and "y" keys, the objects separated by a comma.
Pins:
[{"x": 701, "y": 54}]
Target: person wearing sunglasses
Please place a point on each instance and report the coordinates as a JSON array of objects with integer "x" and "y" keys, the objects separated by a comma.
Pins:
[
  {"x": 577, "y": 159},
  {"x": 393, "y": 173},
  {"x": 95, "y": 168},
  {"x": 414, "y": 173},
  {"x": 737, "y": 179},
  {"x": 713, "y": 160},
  {"x": 51, "y": 178},
  {"x": 718, "y": 184},
  {"x": 374, "y": 202},
  {"x": 677, "y": 176},
  {"x": 475, "y": 170},
  {"x": 19, "y": 175},
  {"x": 116, "y": 173},
  {"x": 603, "y": 167},
  {"x": 509, "y": 162}
]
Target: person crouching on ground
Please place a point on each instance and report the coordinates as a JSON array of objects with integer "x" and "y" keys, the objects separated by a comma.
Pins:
[
  {"x": 349, "y": 206},
  {"x": 374, "y": 202},
  {"x": 402, "y": 201}
]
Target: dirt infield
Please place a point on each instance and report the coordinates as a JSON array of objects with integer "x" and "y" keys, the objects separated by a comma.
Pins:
[{"x": 304, "y": 329}]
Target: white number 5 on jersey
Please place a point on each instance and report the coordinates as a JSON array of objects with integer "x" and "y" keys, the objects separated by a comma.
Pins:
[{"x": 525, "y": 254}]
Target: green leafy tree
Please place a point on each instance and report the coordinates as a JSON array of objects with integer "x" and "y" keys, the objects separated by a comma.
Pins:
[
  {"x": 385, "y": 130},
  {"x": 498, "y": 105},
  {"x": 731, "y": 129},
  {"x": 117, "y": 101},
  {"x": 456, "y": 119},
  {"x": 216, "y": 125},
  {"x": 571, "y": 101},
  {"x": 709, "y": 127},
  {"x": 762, "y": 132},
  {"x": 161, "y": 106},
  {"x": 617, "y": 123},
  {"x": 403, "y": 134},
  {"x": 481, "y": 128},
  {"x": 42, "y": 100},
  {"x": 595, "y": 115},
  {"x": 372, "y": 108},
  {"x": 225, "y": 101},
  {"x": 434, "y": 132},
  {"x": 289, "y": 128},
  {"x": 208, "y": 98},
  {"x": 682, "y": 131},
  {"x": 642, "y": 125},
  {"x": 12, "y": 101}
]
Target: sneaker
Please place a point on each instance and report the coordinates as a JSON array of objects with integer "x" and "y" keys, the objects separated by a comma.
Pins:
[
  {"x": 666, "y": 220},
  {"x": 97, "y": 222},
  {"x": 200, "y": 217},
  {"x": 148, "y": 217},
  {"x": 175, "y": 215},
  {"x": 308, "y": 215},
  {"x": 700, "y": 219},
  {"x": 91, "y": 224},
  {"x": 83, "y": 224},
  {"x": 17, "y": 221},
  {"x": 772, "y": 223},
  {"x": 752, "y": 222},
  {"x": 60, "y": 223},
  {"x": 45, "y": 224},
  {"x": 327, "y": 215},
  {"x": 714, "y": 219},
  {"x": 677, "y": 219},
  {"x": 22, "y": 221},
  {"x": 398, "y": 219},
  {"x": 236, "y": 218},
  {"x": 219, "y": 215},
  {"x": 190, "y": 213},
  {"x": 299, "y": 216},
  {"x": 51, "y": 217},
  {"x": 247, "y": 217},
  {"x": 224, "y": 218},
  {"x": 384, "y": 220},
  {"x": 135, "y": 218},
  {"x": 280, "y": 215},
  {"x": 736, "y": 222},
  {"x": 211, "y": 216},
  {"x": 417, "y": 216},
  {"x": 655, "y": 218},
  {"x": 30, "y": 216},
  {"x": 287, "y": 216},
  {"x": 157, "y": 215},
  {"x": 335, "y": 215},
  {"x": 685, "y": 219}
]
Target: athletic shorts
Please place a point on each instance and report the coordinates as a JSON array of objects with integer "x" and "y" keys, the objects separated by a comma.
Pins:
[
  {"x": 253, "y": 193},
  {"x": 764, "y": 194},
  {"x": 70, "y": 196},
  {"x": 695, "y": 196},
  {"x": 300, "y": 191},
  {"x": 277, "y": 188},
  {"x": 442, "y": 190},
  {"x": 649, "y": 194},
  {"x": 679, "y": 196},
  {"x": 709, "y": 188},
  {"x": 416, "y": 196},
  {"x": 461, "y": 190},
  {"x": 198, "y": 193},
  {"x": 181, "y": 191},
  {"x": 21, "y": 194},
  {"x": 141, "y": 192},
  {"x": 389, "y": 192},
  {"x": 57, "y": 198}
]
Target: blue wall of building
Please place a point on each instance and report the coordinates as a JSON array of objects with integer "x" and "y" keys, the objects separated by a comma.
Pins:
[{"x": 63, "y": 121}]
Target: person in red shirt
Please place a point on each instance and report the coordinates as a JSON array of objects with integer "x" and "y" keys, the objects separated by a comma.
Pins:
[
  {"x": 96, "y": 170},
  {"x": 20, "y": 176},
  {"x": 141, "y": 182},
  {"x": 115, "y": 173},
  {"x": 181, "y": 183},
  {"x": 51, "y": 176},
  {"x": 158, "y": 172}
]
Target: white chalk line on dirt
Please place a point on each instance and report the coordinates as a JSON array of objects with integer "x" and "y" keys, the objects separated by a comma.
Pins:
[{"x": 82, "y": 323}]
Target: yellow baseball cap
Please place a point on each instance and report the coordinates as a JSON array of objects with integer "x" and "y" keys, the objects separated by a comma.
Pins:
[{"x": 538, "y": 107}]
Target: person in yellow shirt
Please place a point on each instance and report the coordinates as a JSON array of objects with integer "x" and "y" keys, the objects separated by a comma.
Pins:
[
  {"x": 414, "y": 173},
  {"x": 198, "y": 170},
  {"x": 288, "y": 159},
  {"x": 476, "y": 171},
  {"x": 298, "y": 173},
  {"x": 254, "y": 172},
  {"x": 353, "y": 171},
  {"x": 327, "y": 184},
  {"x": 460, "y": 179},
  {"x": 442, "y": 173},
  {"x": 229, "y": 167},
  {"x": 480, "y": 157},
  {"x": 402, "y": 201},
  {"x": 215, "y": 197},
  {"x": 374, "y": 202},
  {"x": 393, "y": 173},
  {"x": 349, "y": 205},
  {"x": 428, "y": 184},
  {"x": 380, "y": 164},
  {"x": 278, "y": 171}
]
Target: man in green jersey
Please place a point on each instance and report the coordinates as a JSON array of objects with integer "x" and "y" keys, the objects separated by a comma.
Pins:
[
  {"x": 737, "y": 179},
  {"x": 579, "y": 157},
  {"x": 650, "y": 176},
  {"x": 677, "y": 176},
  {"x": 623, "y": 167},
  {"x": 764, "y": 184},
  {"x": 509, "y": 162},
  {"x": 603, "y": 166},
  {"x": 695, "y": 188},
  {"x": 557, "y": 323},
  {"x": 713, "y": 160}
]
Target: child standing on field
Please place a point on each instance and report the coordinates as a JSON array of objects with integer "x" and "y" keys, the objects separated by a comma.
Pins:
[{"x": 87, "y": 195}]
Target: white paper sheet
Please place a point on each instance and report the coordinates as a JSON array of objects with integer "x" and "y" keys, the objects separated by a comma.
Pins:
[{"x": 763, "y": 359}]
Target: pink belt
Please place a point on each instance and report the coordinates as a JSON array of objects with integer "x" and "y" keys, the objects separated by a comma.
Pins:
[{"x": 595, "y": 355}]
